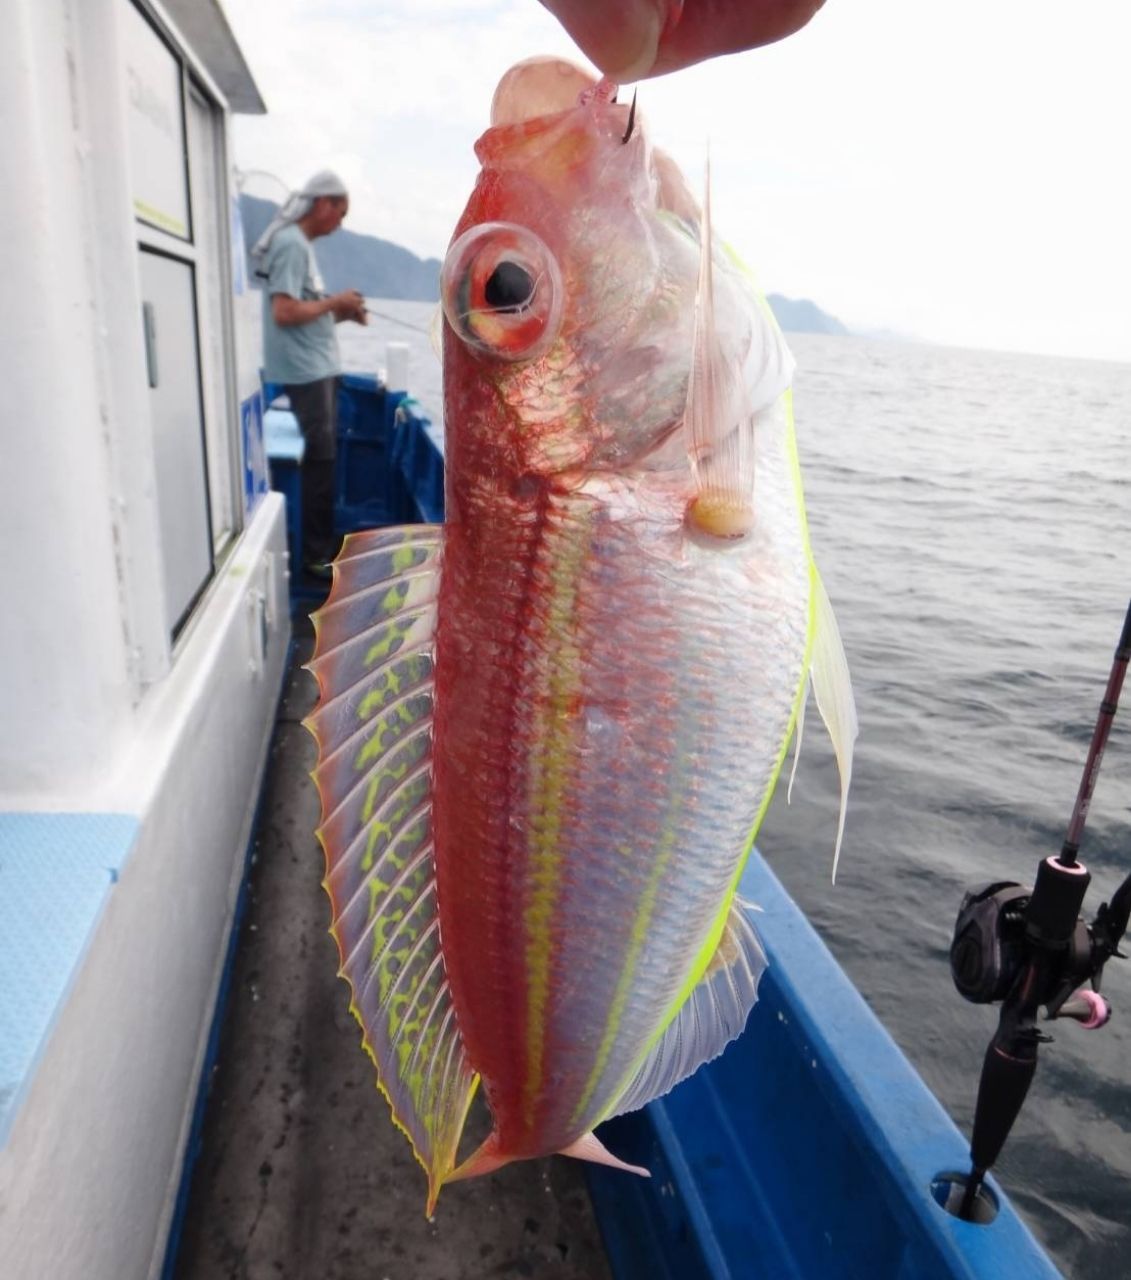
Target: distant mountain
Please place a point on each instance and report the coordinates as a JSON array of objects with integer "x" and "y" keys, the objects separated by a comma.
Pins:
[
  {"x": 799, "y": 315},
  {"x": 377, "y": 268},
  {"x": 381, "y": 269}
]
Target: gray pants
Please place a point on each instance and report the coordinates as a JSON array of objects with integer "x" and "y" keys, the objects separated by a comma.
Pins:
[{"x": 315, "y": 405}]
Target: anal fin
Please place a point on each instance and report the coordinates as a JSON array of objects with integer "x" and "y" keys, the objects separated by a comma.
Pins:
[{"x": 713, "y": 1015}]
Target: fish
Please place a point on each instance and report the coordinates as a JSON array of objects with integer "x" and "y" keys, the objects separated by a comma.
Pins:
[{"x": 549, "y": 728}]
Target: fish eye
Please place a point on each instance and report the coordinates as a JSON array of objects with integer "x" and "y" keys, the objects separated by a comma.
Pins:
[
  {"x": 501, "y": 291},
  {"x": 509, "y": 287}
]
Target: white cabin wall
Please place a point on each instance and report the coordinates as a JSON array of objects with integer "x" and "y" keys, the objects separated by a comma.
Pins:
[
  {"x": 64, "y": 677},
  {"x": 111, "y": 244},
  {"x": 102, "y": 714},
  {"x": 90, "y": 1171}
]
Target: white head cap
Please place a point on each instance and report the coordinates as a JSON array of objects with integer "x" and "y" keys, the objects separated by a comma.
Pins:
[{"x": 324, "y": 183}]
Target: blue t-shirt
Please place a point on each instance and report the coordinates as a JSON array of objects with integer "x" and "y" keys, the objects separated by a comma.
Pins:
[{"x": 298, "y": 352}]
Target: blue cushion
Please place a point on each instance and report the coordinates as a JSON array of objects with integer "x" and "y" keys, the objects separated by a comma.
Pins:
[
  {"x": 282, "y": 437},
  {"x": 56, "y": 872}
]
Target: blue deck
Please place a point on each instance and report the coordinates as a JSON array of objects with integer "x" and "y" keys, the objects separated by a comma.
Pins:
[{"x": 810, "y": 1147}]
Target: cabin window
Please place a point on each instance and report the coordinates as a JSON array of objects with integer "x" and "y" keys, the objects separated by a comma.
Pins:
[{"x": 176, "y": 155}]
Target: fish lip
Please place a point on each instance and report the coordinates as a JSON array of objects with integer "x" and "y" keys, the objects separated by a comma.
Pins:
[{"x": 497, "y": 143}]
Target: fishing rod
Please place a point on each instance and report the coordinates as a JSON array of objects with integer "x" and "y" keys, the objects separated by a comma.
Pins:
[
  {"x": 1029, "y": 948},
  {"x": 405, "y": 324}
]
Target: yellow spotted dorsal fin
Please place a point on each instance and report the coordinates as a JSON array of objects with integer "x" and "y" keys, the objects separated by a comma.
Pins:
[{"x": 373, "y": 660}]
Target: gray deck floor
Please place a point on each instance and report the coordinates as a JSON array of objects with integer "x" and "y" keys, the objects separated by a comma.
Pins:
[{"x": 301, "y": 1173}]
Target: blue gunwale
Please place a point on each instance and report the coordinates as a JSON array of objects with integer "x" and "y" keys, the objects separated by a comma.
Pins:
[{"x": 807, "y": 1150}]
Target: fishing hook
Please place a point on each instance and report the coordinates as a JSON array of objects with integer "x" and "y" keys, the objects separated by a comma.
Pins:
[{"x": 631, "y": 118}]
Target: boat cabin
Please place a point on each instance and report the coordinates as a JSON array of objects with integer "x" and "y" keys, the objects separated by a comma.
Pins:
[{"x": 146, "y": 621}]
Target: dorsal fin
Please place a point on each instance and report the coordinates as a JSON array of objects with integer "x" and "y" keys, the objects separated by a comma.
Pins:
[
  {"x": 713, "y": 1015},
  {"x": 374, "y": 665}
]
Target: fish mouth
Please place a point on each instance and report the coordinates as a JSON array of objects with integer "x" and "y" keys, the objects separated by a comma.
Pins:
[
  {"x": 538, "y": 98},
  {"x": 539, "y": 86}
]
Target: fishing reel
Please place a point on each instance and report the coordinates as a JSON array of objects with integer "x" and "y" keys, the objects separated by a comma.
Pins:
[
  {"x": 1028, "y": 949},
  {"x": 994, "y": 939}
]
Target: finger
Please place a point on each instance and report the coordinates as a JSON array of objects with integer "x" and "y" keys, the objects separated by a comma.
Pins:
[
  {"x": 708, "y": 28},
  {"x": 621, "y": 39},
  {"x": 635, "y": 39}
]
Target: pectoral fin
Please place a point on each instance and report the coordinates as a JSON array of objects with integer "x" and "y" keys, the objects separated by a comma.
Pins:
[
  {"x": 718, "y": 419},
  {"x": 737, "y": 375}
]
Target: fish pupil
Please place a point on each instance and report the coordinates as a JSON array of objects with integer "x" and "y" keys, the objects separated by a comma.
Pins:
[{"x": 509, "y": 287}]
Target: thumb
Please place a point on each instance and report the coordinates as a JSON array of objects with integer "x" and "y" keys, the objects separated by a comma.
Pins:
[{"x": 621, "y": 38}]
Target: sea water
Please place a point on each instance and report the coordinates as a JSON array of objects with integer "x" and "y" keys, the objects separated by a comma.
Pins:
[{"x": 971, "y": 515}]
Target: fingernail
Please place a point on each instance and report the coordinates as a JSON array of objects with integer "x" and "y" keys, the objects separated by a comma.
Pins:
[{"x": 631, "y": 56}]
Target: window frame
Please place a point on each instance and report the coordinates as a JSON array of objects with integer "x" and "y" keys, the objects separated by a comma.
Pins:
[{"x": 213, "y": 326}]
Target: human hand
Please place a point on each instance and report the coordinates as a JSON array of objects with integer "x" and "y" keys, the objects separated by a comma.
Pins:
[
  {"x": 634, "y": 39},
  {"x": 348, "y": 305}
]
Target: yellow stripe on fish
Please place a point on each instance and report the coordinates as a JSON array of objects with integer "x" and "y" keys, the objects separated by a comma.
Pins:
[{"x": 559, "y": 677}]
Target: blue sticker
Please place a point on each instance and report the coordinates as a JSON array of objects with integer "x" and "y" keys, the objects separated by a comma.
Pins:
[{"x": 255, "y": 479}]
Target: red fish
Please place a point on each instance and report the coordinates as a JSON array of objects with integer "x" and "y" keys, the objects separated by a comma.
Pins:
[{"x": 548, "y": 730}]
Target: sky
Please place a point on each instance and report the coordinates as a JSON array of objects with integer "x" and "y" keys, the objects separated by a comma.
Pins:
[{"x": 952, "y": 170}]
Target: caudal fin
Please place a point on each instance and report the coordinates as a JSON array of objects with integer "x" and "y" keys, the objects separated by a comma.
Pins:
[
  {"x": 486, "y": 1158},
  {"x": 489, "y": 1156},
  {"x": 590, "y": 1147}
]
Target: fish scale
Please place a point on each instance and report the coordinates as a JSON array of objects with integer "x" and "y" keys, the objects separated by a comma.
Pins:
[{"x": 680, "y": 675}]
